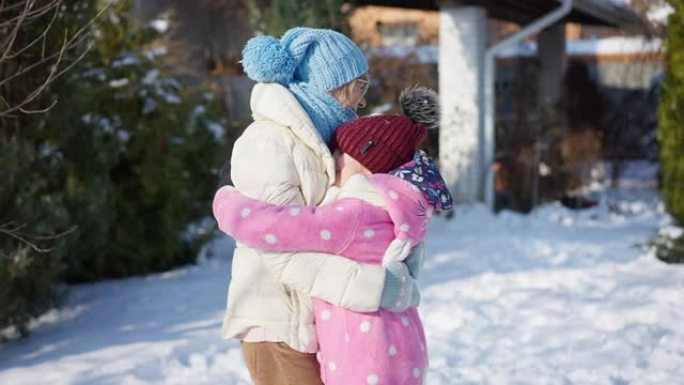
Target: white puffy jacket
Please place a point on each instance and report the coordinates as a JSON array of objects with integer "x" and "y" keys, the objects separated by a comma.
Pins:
[{"x": 281, "y": 158}]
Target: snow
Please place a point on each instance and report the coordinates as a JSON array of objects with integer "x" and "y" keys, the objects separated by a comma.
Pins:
[
  {"x": 660, "y": 13},
  {"x": 151, "y": 77},
  {"x": 155, "y": 52},
  {"x": 425, "y": 54},
  {"x": 638, "y": 173},
  {"x": 161, "y": 25},
  {"x": 553, "y": 297},
  {"x": 618, "y": 45},
  {"x": 615, "y": 46},
  {"x": 216, "y": 129},
  {"x": 127, "y": 59},
  {"x": 118, "y": 83}
]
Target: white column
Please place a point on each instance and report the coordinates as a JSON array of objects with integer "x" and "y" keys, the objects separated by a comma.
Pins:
[
  {"x": 462, "y": 43},
  {"x": 552, "y": 62}
]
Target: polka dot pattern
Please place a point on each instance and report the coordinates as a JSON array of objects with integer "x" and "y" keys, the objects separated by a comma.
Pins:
[
  {"x": 326, "y": 235},
  {"x": 325, "y": 315},
  {"x": 395, "y": 340},
  {"x": 365, "y": 327},
  {"x": 271, "y": 239}
]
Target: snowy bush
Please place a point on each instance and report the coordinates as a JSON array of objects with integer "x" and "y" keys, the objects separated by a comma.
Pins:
[
  {"x": 42, "y": 40},
  {"x": 669, "y": 246},
  {"x": 142, "y": 152},
  {"x": 151, "y": 145},
  {"x": 106, "y": 182},
  {"x": 30, "y": 264}
]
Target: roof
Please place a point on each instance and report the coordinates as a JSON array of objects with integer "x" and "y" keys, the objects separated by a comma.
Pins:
[
  {"x": 612, "y": 46},
  {"x": 593, "y": 12}
]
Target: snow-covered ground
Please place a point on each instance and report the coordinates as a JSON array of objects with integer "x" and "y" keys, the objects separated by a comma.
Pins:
[{"x": 554, "y": 297}]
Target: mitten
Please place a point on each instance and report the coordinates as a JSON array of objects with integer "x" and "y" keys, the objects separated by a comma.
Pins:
[{"x": 400, "y": 291}]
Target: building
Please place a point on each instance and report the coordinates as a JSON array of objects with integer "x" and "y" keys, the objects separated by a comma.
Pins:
[{"x": 472, "y": 36}]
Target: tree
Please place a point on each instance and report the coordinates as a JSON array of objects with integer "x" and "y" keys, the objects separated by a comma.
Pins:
[
  {"x": 671, "y": 116},
  {"x": 40, "y": 41},
  {"x": 140, "y": 153},
  {"x": 108, "y": 169},
  {"x": 275, "y": 17}
]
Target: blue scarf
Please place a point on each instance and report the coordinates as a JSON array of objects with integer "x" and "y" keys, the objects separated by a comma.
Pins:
[{"x": 326, "y": 112}]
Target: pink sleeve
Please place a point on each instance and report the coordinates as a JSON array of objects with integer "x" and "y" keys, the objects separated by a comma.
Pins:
[
  {"x": 330, "y": 228},
  {"x": 406, "y": 205}
]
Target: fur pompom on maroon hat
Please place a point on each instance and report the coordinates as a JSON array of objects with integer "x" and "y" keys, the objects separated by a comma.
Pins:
[{"x": 382, "y": 143}]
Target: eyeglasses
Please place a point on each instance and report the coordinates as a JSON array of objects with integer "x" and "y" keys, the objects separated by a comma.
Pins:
[{"x": 365, "y": 85}]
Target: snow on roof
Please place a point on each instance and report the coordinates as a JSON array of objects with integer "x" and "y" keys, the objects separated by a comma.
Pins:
[
  {"x": 425, "y": 54},
  {"x": 595, "y": 47},
  {"x": 429, "y": 54},
  {"x": 614, "y": 46}
]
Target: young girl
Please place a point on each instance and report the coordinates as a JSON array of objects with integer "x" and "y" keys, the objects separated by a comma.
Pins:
[{"x": 372, "y": 217}]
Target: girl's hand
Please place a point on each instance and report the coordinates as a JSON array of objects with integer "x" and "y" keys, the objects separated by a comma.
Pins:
[
  {"x": 415, "y": 260},
  {"x": 400, "y": 291}
]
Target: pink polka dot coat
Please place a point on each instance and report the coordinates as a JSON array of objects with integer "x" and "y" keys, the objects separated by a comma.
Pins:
[{"x": 354, "y": 348}]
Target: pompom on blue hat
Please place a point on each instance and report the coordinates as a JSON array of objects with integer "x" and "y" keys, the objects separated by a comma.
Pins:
[
  {"x": 321, "y": 58},
  {"x": 265, "y": 60}
]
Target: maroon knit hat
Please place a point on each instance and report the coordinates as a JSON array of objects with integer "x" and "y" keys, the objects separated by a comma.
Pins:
[{"x": 382, "y": 143}]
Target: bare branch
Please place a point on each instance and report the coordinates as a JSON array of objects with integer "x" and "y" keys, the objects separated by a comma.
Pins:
[
  {"x": 24, "y": 241},
  {"x": 13, "y": 36},
  {"x": 44, "y": 110},
  {"x": 51, "y": 77},
  {"x": 10, "y": 7},
  {"x": 50, "y": 237},
  {"x": 34, "y": 14},
  {"x": 43, "y": 36},
  {"x": 56, "y": 58},
  {"x": 35, "y": 93},
  {"x": 29, "y": 239}
]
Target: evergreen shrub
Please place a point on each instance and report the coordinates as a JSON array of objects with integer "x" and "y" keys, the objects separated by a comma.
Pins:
[{"x": 671, "y": 116}]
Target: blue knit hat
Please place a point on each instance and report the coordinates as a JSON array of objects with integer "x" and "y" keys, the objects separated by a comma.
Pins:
[
  {"x": 310, "y": 62},
  {"x": 322, "y": 58}
]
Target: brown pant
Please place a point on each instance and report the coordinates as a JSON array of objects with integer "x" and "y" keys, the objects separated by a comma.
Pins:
[{"x": 275, "y": 363}]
